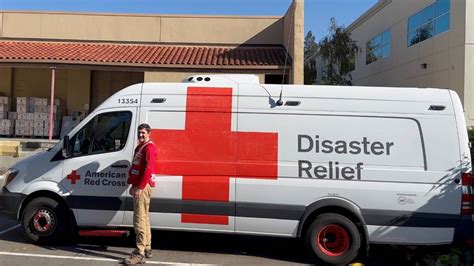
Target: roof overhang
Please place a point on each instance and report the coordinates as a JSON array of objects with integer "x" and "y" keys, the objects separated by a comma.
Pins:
[{"x": 144, "y": 56}]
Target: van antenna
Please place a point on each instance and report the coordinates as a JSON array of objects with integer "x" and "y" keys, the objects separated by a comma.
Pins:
[{"x": 280, "y": 101}]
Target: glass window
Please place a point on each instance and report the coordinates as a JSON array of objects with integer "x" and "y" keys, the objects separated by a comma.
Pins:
[
  {"x": 426, "y": 31},
  {"x": 426, "y": 15},
  {"x": 414, "y": 22},
  {"x": 377, "y": 41},
  {"x": 442, "y": 7},
  {"x": 429, "y": 22},
  {"x": 106, "y": 132},
  {"x": 413, "y": 38},
  {"x": 386, "y": 51},
  {"x": 111, "y": 132},
  {"x": 81, "y": 142},
  {"x": 441, "y": 24},
  {"x": 378, "y": 47},
  {"x": 386, "y": 37}
]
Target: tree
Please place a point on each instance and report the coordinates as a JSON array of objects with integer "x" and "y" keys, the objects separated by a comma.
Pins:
[
  {"x": 338, "y": 52},
  {"x": 310, "y": 50}
]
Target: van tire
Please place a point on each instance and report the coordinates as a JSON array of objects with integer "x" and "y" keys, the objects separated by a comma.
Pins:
[
  {"x": 345, "y": 239},
  {"x": 46, "y": 221}
]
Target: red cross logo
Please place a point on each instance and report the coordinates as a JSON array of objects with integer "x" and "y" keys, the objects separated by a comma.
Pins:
[
  {"x": 207, "y": 153},
  {"x": 73, "y": 176}
]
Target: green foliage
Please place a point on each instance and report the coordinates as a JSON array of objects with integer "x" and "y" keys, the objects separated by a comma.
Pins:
[
  {"x": 470, "y": 133},
  {"x": 310, "y": 50},
  {"x": 338, "y": 52}
]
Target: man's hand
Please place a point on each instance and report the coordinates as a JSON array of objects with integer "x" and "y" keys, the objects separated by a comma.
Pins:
[
  {"x": 136, "y": 193},
  {"x": 131, "y": 191}
]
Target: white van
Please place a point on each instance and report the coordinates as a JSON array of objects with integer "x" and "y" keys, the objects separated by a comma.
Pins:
[{"x": 341, "y": 167}]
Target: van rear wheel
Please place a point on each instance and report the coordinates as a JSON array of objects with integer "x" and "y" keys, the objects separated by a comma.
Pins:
[
  {"x": 46, "y": 221},
  {"x": 333, "y": 238}
]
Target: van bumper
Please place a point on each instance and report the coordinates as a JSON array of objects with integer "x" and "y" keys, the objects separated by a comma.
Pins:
[
  {"x": 10, "y": 204},
  {"x": 464, "y": 232}
]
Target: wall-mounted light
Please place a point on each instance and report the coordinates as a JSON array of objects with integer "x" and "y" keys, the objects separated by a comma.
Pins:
[{"x": 424, "y": 65}]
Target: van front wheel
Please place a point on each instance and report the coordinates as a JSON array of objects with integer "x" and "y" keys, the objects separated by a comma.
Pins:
[
  {"x": 333, "y": 238},
  {"x": 45, "y": 221}
]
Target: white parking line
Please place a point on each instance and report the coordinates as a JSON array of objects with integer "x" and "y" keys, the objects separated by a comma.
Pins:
[
  {"x": 9, "y": 229},
  {"x": 89, "y": 258}
]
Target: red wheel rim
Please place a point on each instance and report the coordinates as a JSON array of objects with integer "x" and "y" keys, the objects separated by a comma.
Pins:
[
  {"x": 44, "y": 221},
  {"x": 333, "y": 240}
]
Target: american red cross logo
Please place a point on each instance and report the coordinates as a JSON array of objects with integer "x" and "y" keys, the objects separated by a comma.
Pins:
[
  {"x": 207, "y": 153},
  {"x": 73, "y": 176}
]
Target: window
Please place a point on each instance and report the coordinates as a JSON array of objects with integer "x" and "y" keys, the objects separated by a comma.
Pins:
[
  {"x": 429, "y": 22},
  {"x": 378, "y": 47},
  {"x": 106, "y": 132}
]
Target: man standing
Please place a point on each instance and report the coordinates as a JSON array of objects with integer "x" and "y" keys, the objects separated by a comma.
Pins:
[{"x": 144, "y": 159}]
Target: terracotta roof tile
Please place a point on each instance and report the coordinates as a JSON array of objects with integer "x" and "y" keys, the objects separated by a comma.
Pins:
[{"x": 141, "y": 54}]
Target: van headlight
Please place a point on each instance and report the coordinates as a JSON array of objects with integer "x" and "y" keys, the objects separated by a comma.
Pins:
[{"x": 10, "y": 175}]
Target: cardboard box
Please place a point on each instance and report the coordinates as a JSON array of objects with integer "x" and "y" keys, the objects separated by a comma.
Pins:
[
  {"x": 22, "y": 101},
  {"x": 4, "y": 100},
  {"x": 3, "y": 115},
  {"x": 6, "y": 123},
  {"x": 23, "y": 108},
  {"x": 30, "y": 116},
  {"x": 12, "y": 115},
  {"x": 7, "y": 131},
  {"x": 4, "y": 107}
]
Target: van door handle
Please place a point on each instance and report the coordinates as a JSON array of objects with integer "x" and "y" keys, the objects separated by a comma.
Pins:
[{"x": 119, "y": 166}]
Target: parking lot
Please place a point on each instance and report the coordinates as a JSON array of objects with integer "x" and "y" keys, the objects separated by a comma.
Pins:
[
  {"x": 168, "y": 248},
  {"x": 186, "y": 248}
]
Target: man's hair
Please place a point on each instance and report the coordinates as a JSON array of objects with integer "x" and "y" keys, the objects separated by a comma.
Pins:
[{"x": 144, "y": 126}]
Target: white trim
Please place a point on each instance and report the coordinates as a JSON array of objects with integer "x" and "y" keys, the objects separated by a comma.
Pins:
[
  {"x": 87, "y": 258},
  {"x": 10, "y": 229}
]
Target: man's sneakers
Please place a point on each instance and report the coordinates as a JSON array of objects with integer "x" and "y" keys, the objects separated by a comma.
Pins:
[
  {"x": 148, "y": 254},
  {"x": 135, "y": 258}
]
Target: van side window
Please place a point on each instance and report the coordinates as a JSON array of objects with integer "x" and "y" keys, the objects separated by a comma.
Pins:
[
  {"x": 111, "y": 132},
  {"x": 106, "y": 132},
  {"x": 80, "y": 143}
]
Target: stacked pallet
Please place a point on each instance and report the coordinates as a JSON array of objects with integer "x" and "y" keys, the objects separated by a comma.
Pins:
[
  {"x": 33, "y": 117},
  {"x": 6, "y": 124}
]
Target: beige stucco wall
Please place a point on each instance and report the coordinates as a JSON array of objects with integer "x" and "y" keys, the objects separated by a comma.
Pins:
[
  {"x": 78, "y": 90},
  {"x": 179, "y": 76},
  {"x": 143, "y": 28},
  {"x": 5, "y": 81},
  {"x": 71, "y": 86},
  {"x": 222, "y": 30},
  {"x": 293, "y": 39},
  {"x": 1, "y": 24},
  {"x": 444, "y": 54},
  {"x": 469, "y": 64}
]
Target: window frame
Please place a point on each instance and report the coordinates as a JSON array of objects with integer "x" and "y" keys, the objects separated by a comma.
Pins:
[
  {"x": 95, "y": 121},
  {"x": 415, "y": 30},
  {"x": 377, "y": 50}
]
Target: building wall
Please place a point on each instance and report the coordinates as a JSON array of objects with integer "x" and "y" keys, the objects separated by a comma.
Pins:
[
  {"x": 469, "y": 63},
  {"x": 71, "y": 86},
  {"x": 293, "y": 39},
  {"x": 5, "y": 81},
  {"x": 165, "y": 29},
  {"x": 78, "y": 83},
  {"x": 444, "y": 54},
  {"x": 142, "y": 28}
]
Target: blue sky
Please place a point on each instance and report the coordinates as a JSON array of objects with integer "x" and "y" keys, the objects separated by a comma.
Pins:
[{"x": 317, "y": 12}]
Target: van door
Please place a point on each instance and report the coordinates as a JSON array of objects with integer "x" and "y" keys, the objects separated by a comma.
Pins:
[
  {"x": 96, "y": 173},
  {"x": 192, "y": 128}
]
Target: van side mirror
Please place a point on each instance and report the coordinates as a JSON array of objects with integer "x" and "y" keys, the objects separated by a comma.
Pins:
[{"x": 66, "y": 150}]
